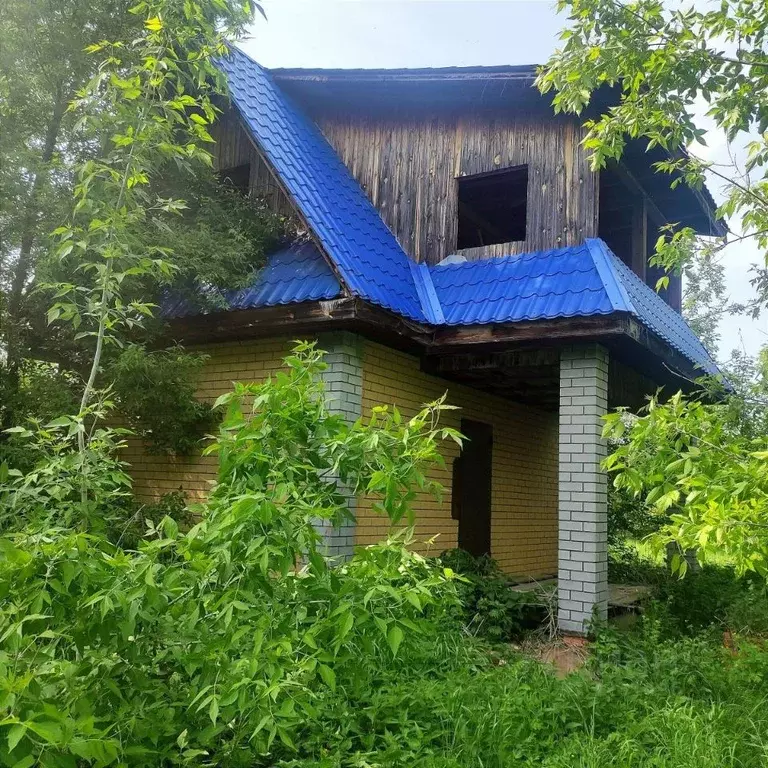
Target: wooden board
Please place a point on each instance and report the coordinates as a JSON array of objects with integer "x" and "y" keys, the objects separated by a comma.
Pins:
[{"x": 408, "y": 167}]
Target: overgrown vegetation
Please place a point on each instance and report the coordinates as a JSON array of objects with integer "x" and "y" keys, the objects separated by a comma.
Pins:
[
  {"x": 491, "y": 608},
  {"x": 233, "y": 639},
  {"x": 233, "y": 642},
  {"x": 220, "y": 634},
  {"x": 156, "y": 391}
]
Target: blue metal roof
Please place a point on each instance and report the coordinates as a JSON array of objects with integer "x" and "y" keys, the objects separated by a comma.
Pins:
[
  {"x": 293, "y": 274},
  {"x": 656, "y": 315},
  {"x": 534, "y": 286},
  {"x": 366, "y": 254},
  {"x": 577, "y": 281}
]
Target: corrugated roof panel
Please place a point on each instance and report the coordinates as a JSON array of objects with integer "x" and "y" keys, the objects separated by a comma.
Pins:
[
  {"x": 653, "y": 312},
  {"x": 291, "y": 275},
  {"x": 533, "y": 286},
  {"x": 577, "y": 281},
  {"x": 367, "y": 255}
]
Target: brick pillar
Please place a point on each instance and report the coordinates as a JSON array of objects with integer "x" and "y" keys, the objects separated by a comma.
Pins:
[
  {"x": 343, "y": 381},
  {"x": 582, "y": 489}
]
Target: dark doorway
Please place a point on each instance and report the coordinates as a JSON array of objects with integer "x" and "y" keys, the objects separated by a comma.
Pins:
[{"x": 471, "y": 498}]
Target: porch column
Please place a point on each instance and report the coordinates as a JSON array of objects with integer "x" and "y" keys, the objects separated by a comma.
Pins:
[
  {"x": 582, "y": 489},
  {"x": 343, "y": 381}
]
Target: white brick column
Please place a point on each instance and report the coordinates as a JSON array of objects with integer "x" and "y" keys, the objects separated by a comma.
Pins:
[
  {"x": 582, "y": 489},
  {"x": 343, "y": 381}
]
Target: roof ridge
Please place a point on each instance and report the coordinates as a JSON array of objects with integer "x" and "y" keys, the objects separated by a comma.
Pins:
[
  {"x": 614, "y": 288},
  {"x": 430, "y": 303}
]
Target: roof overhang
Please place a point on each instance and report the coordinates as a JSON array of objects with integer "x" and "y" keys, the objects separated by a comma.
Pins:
[{"x": 626, "y": 339}]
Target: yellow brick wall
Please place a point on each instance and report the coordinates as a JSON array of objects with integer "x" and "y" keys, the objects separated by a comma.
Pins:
[
  {"x": 524, "y": 485},
  {"x": 524, "y": 488},
  {"x": 244, "y": 361}
]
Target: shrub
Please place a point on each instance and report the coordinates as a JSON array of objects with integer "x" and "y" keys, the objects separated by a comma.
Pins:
[
  {"x": 155, "y": 392},
  {"x": 228, "y": 643},
  {"x": 492, "y": 608},
  {"x": 712, "y": 597}
]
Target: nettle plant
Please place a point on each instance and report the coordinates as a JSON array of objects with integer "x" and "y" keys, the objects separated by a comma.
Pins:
[{"x": 224, "y": 643}]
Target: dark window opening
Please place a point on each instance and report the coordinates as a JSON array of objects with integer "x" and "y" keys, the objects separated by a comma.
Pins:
[
  {"x": 471, "y": 488},
  {"x": 238, "y": 178},
  {"x": 493, "y": 207}
]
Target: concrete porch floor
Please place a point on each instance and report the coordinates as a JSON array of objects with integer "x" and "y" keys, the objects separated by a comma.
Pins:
[{"x": 623, "y": 596}]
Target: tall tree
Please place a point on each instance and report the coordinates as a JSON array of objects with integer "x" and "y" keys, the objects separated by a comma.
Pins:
[
  {"x": 43, "y": 62},
  {"x": 47, "y": 58},
  {"x": 700, "y": 466},
  {"x": 666, "y": 60}
]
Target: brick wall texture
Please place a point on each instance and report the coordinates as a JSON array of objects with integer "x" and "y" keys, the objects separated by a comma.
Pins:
[
  {"x": 154, "y": 475},
  {"x": 524, "y": 484},
  {"x": 583, "y": 488},
  {"x": 524, "y": 535},
  {"x": 343, "y": 387}
]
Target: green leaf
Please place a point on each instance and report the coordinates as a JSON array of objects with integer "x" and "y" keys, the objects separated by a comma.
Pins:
[
  {"x": 15, "y": 735},
  {"x": 213, "y": 710},
  {"x": 328, "y": 676},
  {"x": 394, "y": 638}
]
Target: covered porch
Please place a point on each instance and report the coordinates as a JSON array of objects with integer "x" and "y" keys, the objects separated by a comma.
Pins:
[{"x": 580, "y": 382}]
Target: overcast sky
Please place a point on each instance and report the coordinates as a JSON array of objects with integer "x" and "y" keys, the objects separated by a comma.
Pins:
[{"x": 440, "y": 33}]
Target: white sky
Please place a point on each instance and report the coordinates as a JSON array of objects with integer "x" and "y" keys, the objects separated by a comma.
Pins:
[{"x": 438, "y": 33}]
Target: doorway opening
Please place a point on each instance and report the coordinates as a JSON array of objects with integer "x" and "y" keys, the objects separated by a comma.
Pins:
[{"x": 471, "y": 489}]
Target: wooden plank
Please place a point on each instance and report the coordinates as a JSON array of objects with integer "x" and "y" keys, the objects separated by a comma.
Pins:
[
  {"x": 408, "y": 167},
  {"x": 640, "y": 237}
]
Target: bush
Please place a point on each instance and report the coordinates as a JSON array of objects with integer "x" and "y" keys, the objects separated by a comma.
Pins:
[
  {"x": 155, "y": 392},
  {"x": 227, "y": 643},
  {"x": 713, "y": 597},
  {"x": 492, "y": 609},
  {"x": 628, "y": 517}
]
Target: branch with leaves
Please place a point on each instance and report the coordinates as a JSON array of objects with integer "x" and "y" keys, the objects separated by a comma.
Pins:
[
  {"x": 665, "y": 60},
  {"x": 151, "y": 104}
]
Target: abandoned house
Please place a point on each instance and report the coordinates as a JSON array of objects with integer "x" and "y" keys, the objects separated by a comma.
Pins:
[{"x": 457, "y": 241}]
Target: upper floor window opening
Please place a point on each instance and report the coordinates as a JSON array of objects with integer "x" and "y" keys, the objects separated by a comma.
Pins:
[{"x": 493, "y": 207}]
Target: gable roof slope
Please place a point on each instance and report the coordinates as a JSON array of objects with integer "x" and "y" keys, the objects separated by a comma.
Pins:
[{"x": 365, "y": 253}]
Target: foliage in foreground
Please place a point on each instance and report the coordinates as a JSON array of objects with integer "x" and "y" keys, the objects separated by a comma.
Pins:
[
  {"x": 491, "y": 608},
  {"x": 665, "y": 63},
  {"x": 229, "y": 641},
  {"x": 702, "y": 474},
  {"x": 235, "y": 644}
]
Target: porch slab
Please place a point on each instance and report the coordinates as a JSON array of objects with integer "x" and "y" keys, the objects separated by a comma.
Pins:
[{"x": 624, "y": 596}]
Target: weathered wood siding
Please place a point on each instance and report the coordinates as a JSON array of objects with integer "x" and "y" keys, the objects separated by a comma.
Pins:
[
  {"x": 233, "y": 148},
  {"x": 408, "y": 168}
]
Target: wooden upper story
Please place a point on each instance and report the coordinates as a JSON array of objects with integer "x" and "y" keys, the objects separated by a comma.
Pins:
[{"x": 473, "y": 163}]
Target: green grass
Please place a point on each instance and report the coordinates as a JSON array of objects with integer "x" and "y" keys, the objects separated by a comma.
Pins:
[
  {"x": 665, "y": 694},
  {"x": 641, "y": 701}
]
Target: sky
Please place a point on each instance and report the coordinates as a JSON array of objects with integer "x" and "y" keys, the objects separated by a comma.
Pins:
[{"x": 439, "y": 33}]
